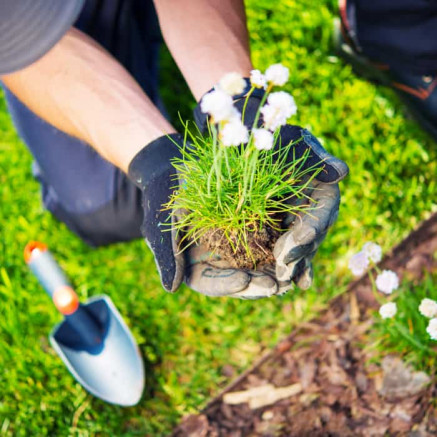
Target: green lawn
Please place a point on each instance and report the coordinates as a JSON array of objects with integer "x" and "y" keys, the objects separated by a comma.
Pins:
[{"x": 186, "y": 338}]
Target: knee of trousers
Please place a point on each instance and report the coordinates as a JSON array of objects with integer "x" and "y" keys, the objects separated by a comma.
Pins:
[{"x": 116, "y": 221}]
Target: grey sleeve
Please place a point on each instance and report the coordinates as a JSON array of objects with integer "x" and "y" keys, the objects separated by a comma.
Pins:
[{"x": 30, "y": 28}]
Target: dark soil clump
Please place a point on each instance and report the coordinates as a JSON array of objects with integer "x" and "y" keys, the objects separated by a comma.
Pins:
[{"x": 260, "y": 243}]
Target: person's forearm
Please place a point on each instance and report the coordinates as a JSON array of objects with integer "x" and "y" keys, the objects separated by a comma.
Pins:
[
  {"x": 207, "y": 38},
  {"x": 83, "y": 91}
]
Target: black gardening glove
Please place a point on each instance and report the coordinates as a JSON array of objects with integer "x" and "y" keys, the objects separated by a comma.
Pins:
[
  {"x": 151, "y": 170},
  {"x": 296, "y": 248}
]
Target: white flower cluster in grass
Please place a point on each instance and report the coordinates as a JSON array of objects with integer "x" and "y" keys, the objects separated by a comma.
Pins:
[
  {"x": 432, "y": 328},
  {"x": 387, "y": 281},
  {"x": 358, "y": 263},
  {"x": 388, "y": 310},
  {"x": 234, "y": 133},
  {"x": 232, "y": 84},
  {"x": 263, "y": 139},
  {"x": 373, "y": 251},
  {"x": 428, "y": 308}
]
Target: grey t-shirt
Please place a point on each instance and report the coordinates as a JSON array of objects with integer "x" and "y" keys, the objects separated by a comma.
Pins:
[{"x": 30, "y": 28}]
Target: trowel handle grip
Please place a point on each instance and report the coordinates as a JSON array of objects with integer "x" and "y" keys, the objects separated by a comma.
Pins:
[{"x": 52, "y": 278}]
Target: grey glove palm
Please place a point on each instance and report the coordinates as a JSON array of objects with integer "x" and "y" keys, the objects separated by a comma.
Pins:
[{"x": 212, "y": 276}]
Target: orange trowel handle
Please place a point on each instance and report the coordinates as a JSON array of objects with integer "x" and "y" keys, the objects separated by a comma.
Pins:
[
  {"x": 51, "y": 277},
  {"x": 87, "y": 330}
]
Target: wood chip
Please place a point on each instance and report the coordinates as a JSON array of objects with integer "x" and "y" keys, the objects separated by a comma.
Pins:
[
  {"x": 239, "y": 397},
  {"x": 262, "y": 396},
  {"x": 275, "y": 396}
]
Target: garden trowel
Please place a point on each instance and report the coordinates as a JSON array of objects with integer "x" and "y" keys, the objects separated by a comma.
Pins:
[{"x": 92, "y": 340}]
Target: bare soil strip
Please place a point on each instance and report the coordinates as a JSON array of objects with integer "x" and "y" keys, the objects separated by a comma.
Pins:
[{"x": 318, "y": 381}]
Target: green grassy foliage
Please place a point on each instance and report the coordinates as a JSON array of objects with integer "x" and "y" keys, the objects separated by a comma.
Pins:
[
  {"x": 185, "y": 338},
  {"x": 405, "y": 334}
]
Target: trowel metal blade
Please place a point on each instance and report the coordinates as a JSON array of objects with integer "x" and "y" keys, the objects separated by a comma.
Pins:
[{"x": 114, "y": 373}]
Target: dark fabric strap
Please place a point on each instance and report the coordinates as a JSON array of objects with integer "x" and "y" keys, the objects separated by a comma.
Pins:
[{"x": 154, "y": 159}]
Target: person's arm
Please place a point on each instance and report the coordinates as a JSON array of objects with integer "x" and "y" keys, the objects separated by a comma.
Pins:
[
  {"x": 207, "y": 39},
  {"x": 82, "y": 90}
]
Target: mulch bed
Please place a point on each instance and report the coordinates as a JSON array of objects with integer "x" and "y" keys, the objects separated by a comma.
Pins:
[{"x": 332, "y": 387}]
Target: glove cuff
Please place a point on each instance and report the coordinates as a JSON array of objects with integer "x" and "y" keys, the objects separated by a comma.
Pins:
[
  {"x": 200, "y": 118},
  {"x": 154, "y": 159}
]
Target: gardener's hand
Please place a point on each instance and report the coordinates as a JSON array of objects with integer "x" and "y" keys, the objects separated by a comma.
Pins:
[
  {"x": 212, "y": 276},
  {"x": 295, "y": 249},
  {"x": 151, "y": 170}
]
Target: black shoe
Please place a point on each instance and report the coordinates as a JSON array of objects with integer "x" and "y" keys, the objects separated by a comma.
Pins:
[{"x": 419, "y": 93}]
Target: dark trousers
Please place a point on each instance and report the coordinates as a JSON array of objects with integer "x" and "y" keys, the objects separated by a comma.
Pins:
[
  {"x": 399, "y": 33},
  {"x": 93, "y": 197}
]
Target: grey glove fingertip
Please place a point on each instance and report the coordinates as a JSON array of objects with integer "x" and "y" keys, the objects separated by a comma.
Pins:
[
  {"x": 216, "y": 282},
  {"x": 291, "y": 247},
  {"x": 340, "y": 167},
  {"x": 285, "y": 272},
  {"x": 284, "y": 287},
  {"x": 334, "y": 169},
  {"x": 333, "y": 217},
  {"x": 171, "y": 280},
  {"x": 305, "y": 234},
  {"x": 261, "y": 285},
  {"x": 305, "y": 280}
]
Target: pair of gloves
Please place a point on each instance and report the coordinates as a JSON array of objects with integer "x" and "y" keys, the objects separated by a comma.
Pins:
[{"x": 151, "y": 170}]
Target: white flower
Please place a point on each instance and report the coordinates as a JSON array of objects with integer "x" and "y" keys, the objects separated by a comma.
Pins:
[
  {"x": 428, "y": 308},
  {"x": 234, "y": 133},
  {"x": 373, "y": 251},
  {"x": 283, "y": 101},
  {"x": 280, "y": 106},
  {"x": 277, "y": 74},
  {"x": 218, "y": 104},
  {"x": 232, "y": 84},
  {"x": 257, "y": 79},
  {"x": 358, "y": 263},
  {"x": 273, "y": 117},
  {"x": 432, "y": 328},
  {"x": 387, "y": 281},
  {"x": 263, "y": 139},
  {"x": 388, "y": 310}
]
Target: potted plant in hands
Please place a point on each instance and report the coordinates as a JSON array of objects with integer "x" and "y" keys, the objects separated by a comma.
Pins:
[{"x": 239, "y": 189}]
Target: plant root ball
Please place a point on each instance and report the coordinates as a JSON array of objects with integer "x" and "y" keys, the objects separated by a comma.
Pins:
[{"x": 260, "y": 243}]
